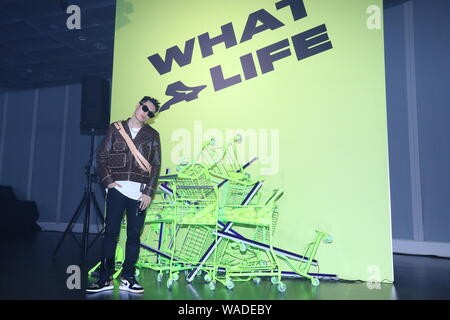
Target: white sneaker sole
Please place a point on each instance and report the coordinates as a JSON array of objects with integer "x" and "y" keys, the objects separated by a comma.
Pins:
[
  {"x": 100, "y": 289},
  {"x": 125, "y": 288}
]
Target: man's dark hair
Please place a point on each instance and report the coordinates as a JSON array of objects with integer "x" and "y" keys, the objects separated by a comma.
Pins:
[{"x": 152, "y": 100}]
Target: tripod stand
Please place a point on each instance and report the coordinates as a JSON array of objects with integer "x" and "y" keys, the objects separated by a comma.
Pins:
[{"x": 85, "y": 203}]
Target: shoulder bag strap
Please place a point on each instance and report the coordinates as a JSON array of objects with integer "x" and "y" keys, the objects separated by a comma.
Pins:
[{"x": 140, "y": 159}]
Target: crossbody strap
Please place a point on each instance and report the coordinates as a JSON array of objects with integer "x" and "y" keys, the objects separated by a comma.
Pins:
[{"x": 140, "y": 159}]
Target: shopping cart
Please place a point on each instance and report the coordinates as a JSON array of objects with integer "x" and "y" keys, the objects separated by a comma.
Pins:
[{"x": 190, "y": 225}]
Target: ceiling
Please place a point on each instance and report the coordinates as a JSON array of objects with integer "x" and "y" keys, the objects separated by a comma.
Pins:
[{"x": 38, "y": 50}]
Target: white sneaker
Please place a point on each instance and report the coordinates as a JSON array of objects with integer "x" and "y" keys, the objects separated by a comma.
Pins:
[{"x": 130, "y": 284}]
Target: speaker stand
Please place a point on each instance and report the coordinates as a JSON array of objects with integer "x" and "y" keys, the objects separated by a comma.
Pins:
[{"x": 87, "y": 200}]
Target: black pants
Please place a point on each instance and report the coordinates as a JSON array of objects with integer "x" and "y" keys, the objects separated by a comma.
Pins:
[{"x": 116, "y": 204}]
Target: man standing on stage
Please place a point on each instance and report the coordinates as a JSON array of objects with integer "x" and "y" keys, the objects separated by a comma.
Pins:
[{"x": 129, "y": 186}]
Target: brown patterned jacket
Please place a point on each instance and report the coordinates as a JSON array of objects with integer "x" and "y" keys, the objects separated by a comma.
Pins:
[{"x": 116, "y": 162}]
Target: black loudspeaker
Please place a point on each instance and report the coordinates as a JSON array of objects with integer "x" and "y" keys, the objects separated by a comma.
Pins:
[{"x": 95, "y": 105}]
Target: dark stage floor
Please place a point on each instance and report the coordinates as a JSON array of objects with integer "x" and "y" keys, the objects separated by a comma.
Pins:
[{"x": 27, "y": 271}]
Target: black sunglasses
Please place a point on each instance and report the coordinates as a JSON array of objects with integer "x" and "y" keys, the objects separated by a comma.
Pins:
[{"x": 145, "y": 109}]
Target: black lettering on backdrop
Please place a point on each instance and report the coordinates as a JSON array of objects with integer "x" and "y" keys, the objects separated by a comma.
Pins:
[
  {"x": 297, "y": 8},
  {"x": 266, "y": 58},
  {"x": 206, "y": 43},
  {"x": 311, "y": 42},
  {"x": 248, "y": 66},
  {"x": 268, "y": 22},
  {"x": 305, "y": 44},
  {"x": 180, "y": 92},
  {"x": 173, "y": 53},
  {"x": 219, "y": 81}
]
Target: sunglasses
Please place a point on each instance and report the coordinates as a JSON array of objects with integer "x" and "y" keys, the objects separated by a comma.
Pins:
[{"x": 145, "y": 109}]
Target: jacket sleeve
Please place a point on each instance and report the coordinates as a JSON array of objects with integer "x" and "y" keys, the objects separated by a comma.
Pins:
[
  {"x": 155, "y": 161},
  {"x": 102, "y": 159}
]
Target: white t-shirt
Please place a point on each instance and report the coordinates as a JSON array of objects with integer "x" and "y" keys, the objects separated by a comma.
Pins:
[{"x": 130, "y": 189}]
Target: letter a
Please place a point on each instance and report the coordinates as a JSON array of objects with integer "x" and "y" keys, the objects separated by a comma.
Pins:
[{"x": 73, "y": 21}]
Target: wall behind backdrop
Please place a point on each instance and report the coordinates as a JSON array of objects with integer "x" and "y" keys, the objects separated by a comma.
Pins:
[
  {"x": 42, "y": 153},
  {"x": 303, "y": 84},
  {"x": 417, "y": 77}
]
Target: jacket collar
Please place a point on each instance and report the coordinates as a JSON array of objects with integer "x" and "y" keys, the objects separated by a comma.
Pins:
[{"x": 127, "y": 128}]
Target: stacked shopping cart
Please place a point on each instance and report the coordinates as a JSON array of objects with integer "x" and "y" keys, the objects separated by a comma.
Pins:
[{"x": 191, "y": 225}]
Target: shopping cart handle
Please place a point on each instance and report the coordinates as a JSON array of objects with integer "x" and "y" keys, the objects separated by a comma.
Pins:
[{"x": 277, "y": 193}]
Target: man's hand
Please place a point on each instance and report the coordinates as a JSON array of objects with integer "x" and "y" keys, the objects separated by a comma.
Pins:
[
  {"x": 145, "y": 201},
  {"x": 112, "y": 185}
]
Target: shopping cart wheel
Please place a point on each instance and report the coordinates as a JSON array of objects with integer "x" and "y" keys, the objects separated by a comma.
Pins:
[
  {"x": 315, "y": 281},
  {"x": 199, "y": 273},
  {"x": 281, "y": 287},
  {"x": 169, "y": 283},
  {"x": 257, "y": 280},
  {"x": 212, "y": 285},
  {"x": 159, "y": 277},
  {"x": 274, "y": 280},
  {"x": 328, "y": 239},
  {"x": 175, "y": 276},
  {"x": 229, "y": 284},
  {"x": 242, "y": 247},
  {"x": 207, "y": 277}
]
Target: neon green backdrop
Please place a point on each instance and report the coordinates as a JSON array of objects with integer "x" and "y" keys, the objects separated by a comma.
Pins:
[{"x": 318, "y": 125}]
